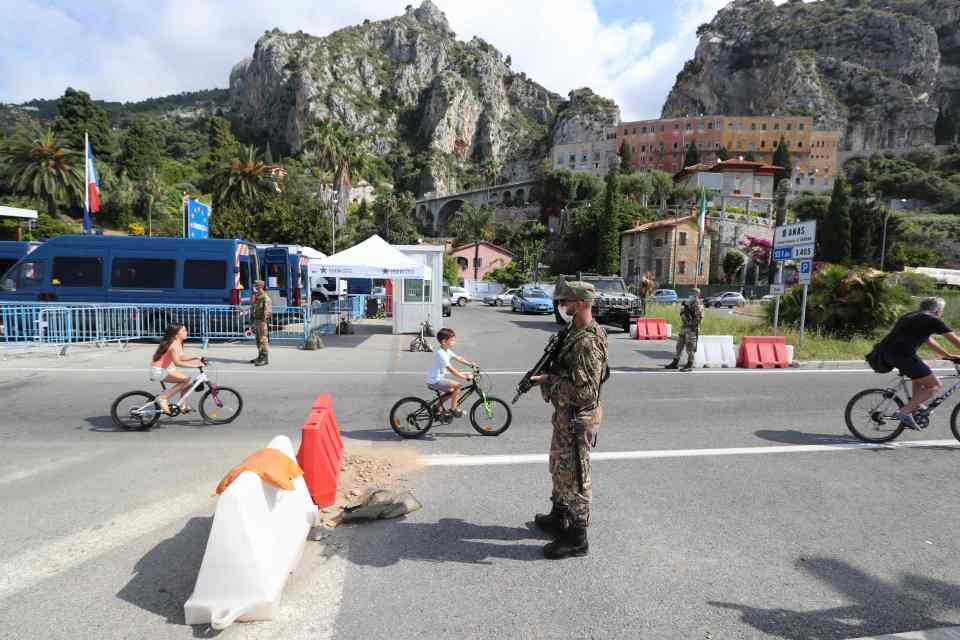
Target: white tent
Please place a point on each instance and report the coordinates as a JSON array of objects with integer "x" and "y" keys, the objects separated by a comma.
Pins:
[{"x": 372, "y": 258}]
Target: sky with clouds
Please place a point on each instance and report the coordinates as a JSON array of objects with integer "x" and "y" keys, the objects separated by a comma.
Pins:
[{"x": 628, "y": 50}]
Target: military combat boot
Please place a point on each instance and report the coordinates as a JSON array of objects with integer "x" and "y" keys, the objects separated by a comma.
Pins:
[
  {"x": 262, "y": 360},
  {"x": 688, "y": 366},
  {"x": 572, "y": 543},
  {"x": 673, "y": 364},
  {"x": 553, "y": 522}
]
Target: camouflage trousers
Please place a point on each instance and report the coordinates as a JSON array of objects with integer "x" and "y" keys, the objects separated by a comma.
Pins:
[
  {"x": 572, "y": 484},
  {"x": 262, "y": 333},
  {"x": 687, "y": 340}
]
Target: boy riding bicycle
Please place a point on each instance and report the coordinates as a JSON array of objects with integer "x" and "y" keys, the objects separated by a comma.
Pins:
[{"x": 437, "y": 379}]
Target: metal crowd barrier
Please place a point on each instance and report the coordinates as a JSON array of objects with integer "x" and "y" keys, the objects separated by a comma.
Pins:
[{"x": 81, "y": 323}]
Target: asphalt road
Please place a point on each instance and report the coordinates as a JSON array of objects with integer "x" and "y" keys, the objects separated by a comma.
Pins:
[{"x": 711, "y": 518}]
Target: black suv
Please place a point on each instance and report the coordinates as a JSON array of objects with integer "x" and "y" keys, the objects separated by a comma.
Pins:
[{"x": 615, "y": 306}]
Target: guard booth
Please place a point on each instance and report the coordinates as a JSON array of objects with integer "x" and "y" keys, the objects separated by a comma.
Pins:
[{"x": 419, "y": 298}]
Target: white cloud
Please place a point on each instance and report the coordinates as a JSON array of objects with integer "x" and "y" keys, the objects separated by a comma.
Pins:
[{"x": 135, "y": 50}]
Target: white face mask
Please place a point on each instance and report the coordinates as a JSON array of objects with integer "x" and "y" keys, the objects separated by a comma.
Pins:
[{"x": 568, "y": 313}]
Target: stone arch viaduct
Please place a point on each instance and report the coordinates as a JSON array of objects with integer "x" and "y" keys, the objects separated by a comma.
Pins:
[{"x": 438, "y": 210}]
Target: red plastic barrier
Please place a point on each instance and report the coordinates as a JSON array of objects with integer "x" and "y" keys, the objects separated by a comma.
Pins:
[
  {"x": 763, "y": 352},
  {"x": 651, "y": 329},
  {"x": 321, "y": 452}
]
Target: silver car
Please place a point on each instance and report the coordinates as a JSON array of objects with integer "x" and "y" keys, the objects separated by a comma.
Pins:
[
  {"x": 500, "y": 299},
  {"x": 729, "y": 299}
]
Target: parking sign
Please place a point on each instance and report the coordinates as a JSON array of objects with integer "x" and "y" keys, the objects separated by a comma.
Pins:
[{"x": 806, "y": 270}]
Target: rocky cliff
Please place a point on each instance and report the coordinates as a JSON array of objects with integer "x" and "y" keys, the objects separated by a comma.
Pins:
[
  {"x": 880, "y": 71},
  {"x": 407, "y": 87}
]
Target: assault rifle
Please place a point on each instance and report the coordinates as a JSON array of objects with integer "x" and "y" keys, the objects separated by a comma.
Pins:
[{"x": 544, "y": 363}]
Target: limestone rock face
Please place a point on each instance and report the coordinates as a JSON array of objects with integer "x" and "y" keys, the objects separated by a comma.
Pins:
[
  {"x": 403, "y": 85},
  {"x": 880, "y": 71}
]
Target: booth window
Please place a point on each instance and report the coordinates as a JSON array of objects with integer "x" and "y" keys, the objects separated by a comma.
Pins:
[
  {"x": 204, "y": 274},
  {"x": 137, "y": 273},
  {"x": 416, "y": 291},
  {"x": 78, "y": 272}
]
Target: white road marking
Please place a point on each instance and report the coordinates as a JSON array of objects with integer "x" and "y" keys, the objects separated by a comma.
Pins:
[
  {"x": 55, "y": 557},
  {"x": 453, "y": 460},
  {"x": 43, "y": 466}
]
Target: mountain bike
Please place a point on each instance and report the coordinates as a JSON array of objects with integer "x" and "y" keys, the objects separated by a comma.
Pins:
[
  {"x": 420, "y": 343},
  {"x": 869, "y": 414},
  {"x": 490, "y": 416},
  {"x": 139, "y": 411}
]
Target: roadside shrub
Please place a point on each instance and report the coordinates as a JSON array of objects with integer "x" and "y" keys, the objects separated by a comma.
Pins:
[
  {"x": 916, "y": 284},
  {"x": 846, "y": 302}
]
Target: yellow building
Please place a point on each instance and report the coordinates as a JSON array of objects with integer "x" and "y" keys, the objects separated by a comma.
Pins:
[{"x": 668, "y": 249}]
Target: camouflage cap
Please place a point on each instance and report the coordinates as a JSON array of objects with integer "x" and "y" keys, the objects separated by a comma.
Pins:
[{"x": 577, "y": 290}]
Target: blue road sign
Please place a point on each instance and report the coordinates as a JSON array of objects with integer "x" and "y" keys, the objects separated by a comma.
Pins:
[
  {"x": 198, "y": 220},
  {"x": 782, "y": 253},
  {"x": 806, "y": 270}
]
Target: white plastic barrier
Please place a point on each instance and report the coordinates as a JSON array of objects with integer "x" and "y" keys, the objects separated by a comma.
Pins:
[
  {"x": 790, "y": 354},
  {"x": 258, "y": 535},
  {"x": 715, "y": 351},
  {"x": 669, "y": 330}
]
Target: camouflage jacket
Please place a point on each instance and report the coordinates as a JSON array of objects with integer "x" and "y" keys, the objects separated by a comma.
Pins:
[
  {"x": 262, "y": 307},
  {"x": 691, "y": 313},
  {"x": 574, "y": 380}
]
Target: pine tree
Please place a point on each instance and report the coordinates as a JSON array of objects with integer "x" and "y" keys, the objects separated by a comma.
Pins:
[
  {"x": 78, "y": 115},
  {"x": 626, "y": 157},
  {"x": 693, "y": 155},
  {"x": 781, "y": 158},
  {"x": 945, "y": 129},
  {"x": 723, "y": 154},
  {"x": 836, "y": 234},
  {"x": 140, "y": 148},
  {"x": 608, "y": 247},
  {"x": 749, "y": 156}
]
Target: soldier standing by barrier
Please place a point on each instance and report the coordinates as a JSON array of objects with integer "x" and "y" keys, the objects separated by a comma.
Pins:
[
  {"x": 573, "y": 387},
  {"x": 260, "y": 315},
  {"x": 691, "y": 314}
]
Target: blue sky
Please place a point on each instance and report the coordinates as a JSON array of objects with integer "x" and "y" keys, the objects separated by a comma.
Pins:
[{"x": 130, "y": 49}]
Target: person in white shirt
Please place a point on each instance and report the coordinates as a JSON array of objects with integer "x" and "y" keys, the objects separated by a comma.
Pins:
[{"x": 437, "y": 376}]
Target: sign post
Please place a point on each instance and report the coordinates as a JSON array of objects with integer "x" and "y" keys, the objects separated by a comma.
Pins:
[
  {"x": 198, "y": 220},
  {"x": 795, "y": 242}
]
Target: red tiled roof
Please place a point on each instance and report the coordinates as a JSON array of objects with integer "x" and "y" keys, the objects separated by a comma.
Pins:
[
  {"x": 733, "y": 163},
  {"x": 482, "y": 242},
  {"x": 660, "y": 224}
]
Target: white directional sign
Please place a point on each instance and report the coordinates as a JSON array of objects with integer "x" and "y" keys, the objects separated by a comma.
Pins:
[
  {"x": 777, "y": 289},
  {"x": 803, "y": 252},
  {"x": 791, "y": 235}
]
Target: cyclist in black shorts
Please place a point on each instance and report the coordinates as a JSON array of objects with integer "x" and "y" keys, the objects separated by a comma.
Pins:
[{"x": 899, "y": 350}]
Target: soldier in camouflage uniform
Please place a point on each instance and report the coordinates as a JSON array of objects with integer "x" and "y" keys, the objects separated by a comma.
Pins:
[
  {"x": 260, "y": 315},
  {"x": 573, "y": 387},
  {"x": 691, "y": 313}
]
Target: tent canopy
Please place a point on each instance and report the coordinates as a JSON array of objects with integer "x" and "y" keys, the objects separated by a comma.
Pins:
[{"x": 372, "y": 258}]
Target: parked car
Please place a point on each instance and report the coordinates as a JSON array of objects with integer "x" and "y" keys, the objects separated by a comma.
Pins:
[
  {"x": 531, "y": 300},
  {"x": 770, "y": 297},
  {"x": 500, "y": 299},
  {"x": 446, "y": 304},
  {"x": 664, "y": 296},
  {"x": 460, "y": 296},
  {"x": 729, "y": 299}
]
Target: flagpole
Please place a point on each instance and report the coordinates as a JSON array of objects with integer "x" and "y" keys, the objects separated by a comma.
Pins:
[{"x": 86, "y": 182}]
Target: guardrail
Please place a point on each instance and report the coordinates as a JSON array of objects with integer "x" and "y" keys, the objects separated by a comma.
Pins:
[{"x": 38, "y": 324}]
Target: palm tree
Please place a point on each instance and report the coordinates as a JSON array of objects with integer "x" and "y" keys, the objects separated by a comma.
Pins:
[
  {"x": 352, "y": 162},
  {"x": 489, "y": 170},
  {"x": 42, "y": 168},
  {"x": 324, "y": 141},
  {"x": 150, "y": 190},
  {"x": 245, "y": 180},
  {"x": 474, "y": 224}
]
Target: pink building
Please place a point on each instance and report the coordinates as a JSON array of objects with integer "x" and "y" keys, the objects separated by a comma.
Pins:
[{"x": 490, "y": 258}]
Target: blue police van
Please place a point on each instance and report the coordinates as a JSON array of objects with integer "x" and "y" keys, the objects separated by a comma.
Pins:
[
  {"x": 130, "y": 269},
  {"x": 284, "y": 271}
]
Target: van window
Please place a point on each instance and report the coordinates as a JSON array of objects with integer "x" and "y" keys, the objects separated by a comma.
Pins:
[
  {"x": 26, "y": 276},
  {"x": 204, "y": 274},
  {"x": 139, "y": 273},
  {"x": 6, "y": 263},
  {"x": 77, "y": 272},
  {"x": 276, "y": 276},
  {"x": 245, "y": 273}
]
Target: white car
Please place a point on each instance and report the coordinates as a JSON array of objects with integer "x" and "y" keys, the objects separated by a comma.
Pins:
[
  {"x": 460, "y": 296},
  {"x": 501, "y": 299}
]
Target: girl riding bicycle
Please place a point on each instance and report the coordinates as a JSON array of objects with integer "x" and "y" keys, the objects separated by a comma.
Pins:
[{"x": 168, "y": 356}]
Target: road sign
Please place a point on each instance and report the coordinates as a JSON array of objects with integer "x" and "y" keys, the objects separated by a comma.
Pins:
[
  {"x": 777, "y": 289},
  {"x": 803, "y": 252},
  {"x": 806, "y": 270},
  {"x": 783, "y": 253},
  {"x": 198, "y": 220},
  {"x": 791, "y": 235}
]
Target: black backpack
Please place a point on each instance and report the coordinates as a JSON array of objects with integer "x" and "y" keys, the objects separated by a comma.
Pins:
[{"x": 876, "y": 360}]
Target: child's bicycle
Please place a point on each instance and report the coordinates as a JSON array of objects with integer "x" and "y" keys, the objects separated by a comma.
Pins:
[
  {"x": 420, "y": 343},
  {"x": 138, "y": 410},
  {"x": 490, "y": 416}
]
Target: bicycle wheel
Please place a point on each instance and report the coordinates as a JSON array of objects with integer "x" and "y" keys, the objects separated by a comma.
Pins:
[
  {"x": 868, "y": 415},
  {"x": 135, "y": 411},
  {"x": 953, "y": 422},
  {"x": 490, "y": 418},
  {"x": 221, "y": 405},
  {"x": 411, "y": 418}
]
